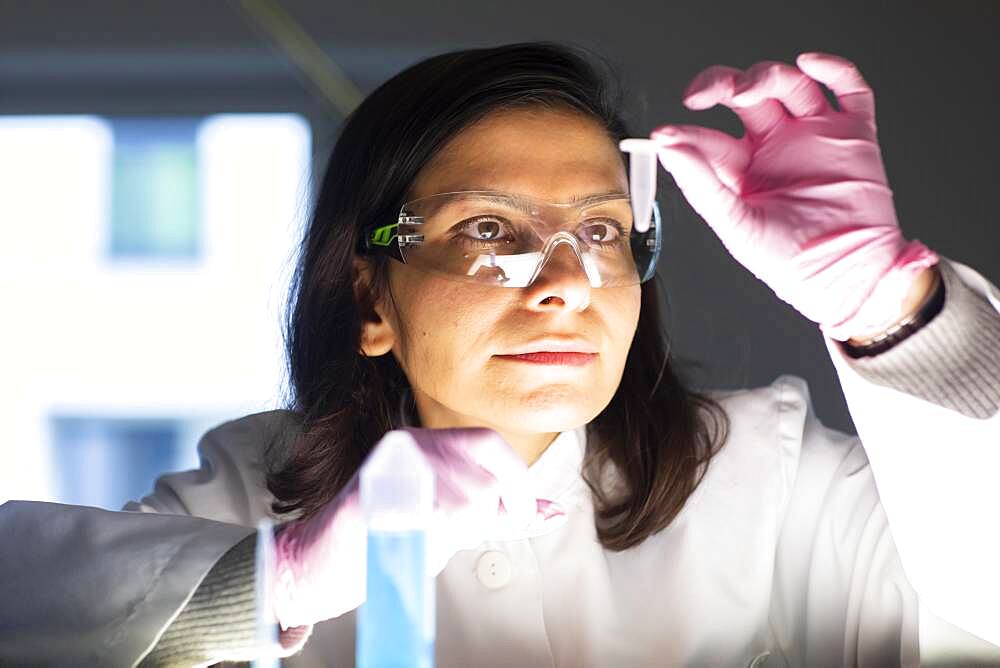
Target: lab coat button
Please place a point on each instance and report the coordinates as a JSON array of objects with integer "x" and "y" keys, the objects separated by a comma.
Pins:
[{"x": 493, "y": 569}]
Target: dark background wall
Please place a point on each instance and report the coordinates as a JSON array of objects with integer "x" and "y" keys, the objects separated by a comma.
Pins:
[{"x": 933, "y": 67}]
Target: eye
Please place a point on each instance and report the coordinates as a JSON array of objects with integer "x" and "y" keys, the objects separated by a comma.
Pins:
[
  {"x": 482, "y": 229},
  {"x": 601, "y": 232}
]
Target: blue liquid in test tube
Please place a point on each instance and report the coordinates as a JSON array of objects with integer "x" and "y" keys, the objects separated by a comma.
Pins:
[{"x": 396, "y": 622}]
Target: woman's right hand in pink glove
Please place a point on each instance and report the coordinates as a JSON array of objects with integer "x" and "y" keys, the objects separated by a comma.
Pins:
[
  {"x": 482, "y": 493},
  {"x": 802, "y": 199}
]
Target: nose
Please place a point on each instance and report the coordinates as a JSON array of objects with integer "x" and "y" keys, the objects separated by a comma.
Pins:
[{"x": 561, "y": 283}]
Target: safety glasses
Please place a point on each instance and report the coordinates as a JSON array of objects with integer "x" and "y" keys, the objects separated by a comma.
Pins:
[{"x": 505, "y": 239}]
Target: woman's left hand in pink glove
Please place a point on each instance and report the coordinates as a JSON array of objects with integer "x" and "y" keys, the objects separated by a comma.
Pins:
[{"x": 802, "y": 199}]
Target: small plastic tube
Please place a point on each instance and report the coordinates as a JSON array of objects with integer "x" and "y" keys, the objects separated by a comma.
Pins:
[
  {"x": 267, "y": 629},
  {"x": 642, "y": 179},
  {"x": 395, "y": 624}
]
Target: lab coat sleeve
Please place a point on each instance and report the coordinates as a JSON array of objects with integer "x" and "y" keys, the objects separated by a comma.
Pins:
[
  {"x": 85, "y": 586},
  {"x": 229, "y": 485},
  {"x": 934, "y": 449},
  {"x": 840, "y": 596}
]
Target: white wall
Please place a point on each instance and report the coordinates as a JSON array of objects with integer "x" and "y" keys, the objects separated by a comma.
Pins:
[{"x": 82, "y": 333}]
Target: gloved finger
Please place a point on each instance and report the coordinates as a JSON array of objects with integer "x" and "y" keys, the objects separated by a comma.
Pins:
[
  {"x": 715, "y": 85},
  {"x": 800, "y": 95},
  {"x": 728, "y": 156},
  {"x": 709, "y": 87},
  {"x": 705, "y": 192},
  {"x": 470, "y": 484},
  {"x": 843, "y": 78}
]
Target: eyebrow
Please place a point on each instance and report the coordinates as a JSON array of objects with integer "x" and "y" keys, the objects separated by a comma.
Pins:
[
  {"x": 575, "y": 199},
  {"x": 584, "y": 198}
]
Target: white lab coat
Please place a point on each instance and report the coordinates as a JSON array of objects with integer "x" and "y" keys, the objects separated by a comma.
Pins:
[{"x": 782, "y": 556}]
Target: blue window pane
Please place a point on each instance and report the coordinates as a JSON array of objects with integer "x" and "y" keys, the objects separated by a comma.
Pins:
[
  {"x": 105, "y": 462},
  {"x": 155, "y": 201}
]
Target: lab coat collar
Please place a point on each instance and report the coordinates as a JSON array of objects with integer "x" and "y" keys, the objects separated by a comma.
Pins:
[{"x": 556, "y": 474}]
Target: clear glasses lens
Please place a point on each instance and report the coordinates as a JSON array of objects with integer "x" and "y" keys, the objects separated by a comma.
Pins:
[{"x": 505, "y": 240}]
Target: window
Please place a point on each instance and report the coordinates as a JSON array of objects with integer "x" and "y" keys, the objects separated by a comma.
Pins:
[
  {"x": 154, "y": 188},
  {"x": 105, "y": 462}
]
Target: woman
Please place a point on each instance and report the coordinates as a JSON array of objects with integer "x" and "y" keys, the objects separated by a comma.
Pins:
[{"x": 621, "y": 520}]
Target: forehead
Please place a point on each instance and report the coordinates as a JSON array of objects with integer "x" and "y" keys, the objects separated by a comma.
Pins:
[{"x": 549, "y": 154}]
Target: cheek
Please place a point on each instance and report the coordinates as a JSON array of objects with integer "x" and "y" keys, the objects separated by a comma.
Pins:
[
  {"x": 438, "y": 324},
  {"x": 635, "y": 304},
  {"x": 623, "y": 307}
]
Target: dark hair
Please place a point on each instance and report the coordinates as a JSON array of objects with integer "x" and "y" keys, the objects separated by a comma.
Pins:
[{"x": 656, "y": 433}]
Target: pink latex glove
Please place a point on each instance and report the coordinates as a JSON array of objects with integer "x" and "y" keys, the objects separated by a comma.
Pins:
[
  {"x": 802, "y": 199},
  {"x": 482, "y": 493}
]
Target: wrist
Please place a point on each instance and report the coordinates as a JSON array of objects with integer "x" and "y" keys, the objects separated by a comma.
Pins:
[
  {"x": 885, "y": 289},
  {"x": 927, "y": 310},
  {"x": 920, "y": 292}
]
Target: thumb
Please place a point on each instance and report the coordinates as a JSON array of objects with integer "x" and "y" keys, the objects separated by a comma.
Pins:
[{"x": 710, "y": 197}]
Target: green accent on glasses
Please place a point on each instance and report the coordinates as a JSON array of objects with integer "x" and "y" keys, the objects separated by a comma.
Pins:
[{"x": 383, "y": 236}]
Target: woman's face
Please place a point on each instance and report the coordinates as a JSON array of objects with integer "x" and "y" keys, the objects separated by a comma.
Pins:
[{"x": 450, "y": 337}]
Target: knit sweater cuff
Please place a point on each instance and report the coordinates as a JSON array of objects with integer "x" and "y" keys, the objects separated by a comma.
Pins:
[
  {"x": 219, "y": 622},
  {"x": 953, "y": 361}
]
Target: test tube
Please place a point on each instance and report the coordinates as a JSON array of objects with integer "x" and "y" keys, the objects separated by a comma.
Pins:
[
  {"x": 642, "y": 179},
  {"x": 395, "y": 624},
  {"x": 267, "y": 630}
]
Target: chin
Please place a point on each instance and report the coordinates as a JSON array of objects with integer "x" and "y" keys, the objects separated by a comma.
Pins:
[{"x": 550, "y": 410}]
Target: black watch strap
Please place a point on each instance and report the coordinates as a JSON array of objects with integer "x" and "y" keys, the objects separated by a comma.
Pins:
[{"x": 930, "y": 308}]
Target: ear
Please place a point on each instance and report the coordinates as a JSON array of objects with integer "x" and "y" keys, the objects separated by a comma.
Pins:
[{"x": 377, "y": 334}]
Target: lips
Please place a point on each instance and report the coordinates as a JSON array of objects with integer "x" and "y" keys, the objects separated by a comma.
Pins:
[
  {"x": 551, "y": 357},
  {"x": 553, "y": 345}
]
